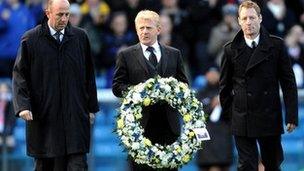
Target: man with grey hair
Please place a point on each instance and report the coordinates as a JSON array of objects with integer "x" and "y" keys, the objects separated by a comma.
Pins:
[
  {"x": 145, "y": 60},
  {"x": 55, "y": 92}
]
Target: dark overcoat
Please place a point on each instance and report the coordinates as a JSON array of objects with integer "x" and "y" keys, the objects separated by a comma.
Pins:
[
  {"x": 131, "y": 69},
  {"x": 57, "y": 83},
  {"x": 250, "y": 93}
]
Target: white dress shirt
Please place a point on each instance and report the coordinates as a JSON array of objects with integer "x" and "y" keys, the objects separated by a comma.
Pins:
[
  {"x": 157, "y": 51},
  {"x": 53, "y": 32},
  {"x": 249, "y": 41}
]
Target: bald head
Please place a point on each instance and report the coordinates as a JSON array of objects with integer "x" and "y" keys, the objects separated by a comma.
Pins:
[
  {"x": 58, "y": 13},
  {"x": 50, "y": 3}
]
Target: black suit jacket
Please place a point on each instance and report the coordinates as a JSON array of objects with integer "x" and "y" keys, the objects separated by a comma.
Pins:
[
  {"x": 131, "y": 69},
  {"x": 250, "y": 95}
]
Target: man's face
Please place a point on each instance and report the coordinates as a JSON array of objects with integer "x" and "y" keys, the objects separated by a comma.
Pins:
[
  {"x": 147, "y": 31},
  {"x": 250, "y": 22},
  {"x": 58, "y": 14}
]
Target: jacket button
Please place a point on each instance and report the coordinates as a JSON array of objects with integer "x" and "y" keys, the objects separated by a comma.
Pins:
[
  {"x": 265, "y": 92},
  {"x": 249, "y": 94}
]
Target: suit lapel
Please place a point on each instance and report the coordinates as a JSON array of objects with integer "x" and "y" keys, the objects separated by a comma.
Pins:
[
  {"x": 257, "y": 57},
  {"x": 138, "y": 53},
  {"x": 67, "y": 35},
  {"x": 261, "y": 53},
  {"x": 164, "y": 58},
  {"x": 240, "y": 51}
]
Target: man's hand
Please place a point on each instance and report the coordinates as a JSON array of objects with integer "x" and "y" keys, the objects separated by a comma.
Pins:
[
  {"x": 215, "y": 101},
  {"x": 26, "y": 115},
  {"x": 290, "y": 127},
  {"x": 92, "y": 117}
]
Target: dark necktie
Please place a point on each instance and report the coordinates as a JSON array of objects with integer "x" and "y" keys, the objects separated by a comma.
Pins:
[
  {"x": 57, "y": 36},
  {"x": 253, "y": 45},
  {"x": 152, "y": 57}
]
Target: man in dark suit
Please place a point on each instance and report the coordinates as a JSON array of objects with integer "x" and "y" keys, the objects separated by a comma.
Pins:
[
  {"x": 253, "y": 68},
  {"x": 54, "y": 91},
  {"x": 145, "y": 60}
]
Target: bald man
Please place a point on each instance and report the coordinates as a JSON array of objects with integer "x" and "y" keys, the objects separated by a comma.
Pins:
[{"x": 55, "y": 92}]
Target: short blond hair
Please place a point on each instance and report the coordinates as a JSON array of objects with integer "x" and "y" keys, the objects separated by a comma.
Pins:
[
  {"x": 148, "y": 15},
  {"x": 250, "y": 4}
]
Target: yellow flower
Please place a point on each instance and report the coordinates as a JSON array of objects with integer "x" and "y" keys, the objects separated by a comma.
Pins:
[
  {"x": 178, "y": 149},
  {"x": 156, "y": 160},
  {"x": 147, "y": 101},
  {"x": 187, "y": 117},
  {"x": 149, "y": 85},
  {"x": 184, "y": 86},
  {"x": 138, "y": 116},
  {"x": 120, "y": 123},
  {"x": 147, "y": 142},
  {"x": 191, "y": 134},
  {"x": 186, "y": 158}
]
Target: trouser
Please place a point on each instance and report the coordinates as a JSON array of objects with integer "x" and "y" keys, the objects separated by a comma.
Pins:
[
  {"x": 270, "y": 149},
  {"x": 72, "y": 162}
]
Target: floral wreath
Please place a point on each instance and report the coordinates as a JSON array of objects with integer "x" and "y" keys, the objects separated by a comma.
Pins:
[{"x": 140, "y": 148}]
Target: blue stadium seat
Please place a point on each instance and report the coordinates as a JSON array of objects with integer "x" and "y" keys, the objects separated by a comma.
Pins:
[
  {"x": 104, "y": 134},
  {"x": 293, "y": 146},
  {"x": 108, "y": 150},
  {"x": 19, "y": 134}
]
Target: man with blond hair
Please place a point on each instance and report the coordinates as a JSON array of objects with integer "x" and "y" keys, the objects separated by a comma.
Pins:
[
  {"x": 145, "y": 60},
  {"x": 254, "y": 67}
]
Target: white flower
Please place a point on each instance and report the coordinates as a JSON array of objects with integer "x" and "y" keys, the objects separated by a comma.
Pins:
[
  {"x": 135, "y": 146},
  {"x": 136, "y": 98},
  {"x": 130, "y": 117},
  {"x": 185, "y": 147},
  {"x": 187, "y": 93},
  {"x": 199, "y": 124},
  {"x": 160, "y": 154},
  {"x": 139, "y": 87}
]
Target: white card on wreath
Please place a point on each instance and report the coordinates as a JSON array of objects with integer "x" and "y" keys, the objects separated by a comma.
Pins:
[{"x": 201, "y": 134}]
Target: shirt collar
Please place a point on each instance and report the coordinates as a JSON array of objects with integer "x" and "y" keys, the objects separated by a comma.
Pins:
[
  {"x": 53, "y": 31},
  {"x": 155, "y": 46},
  {"x": 249, "y": 41}
]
